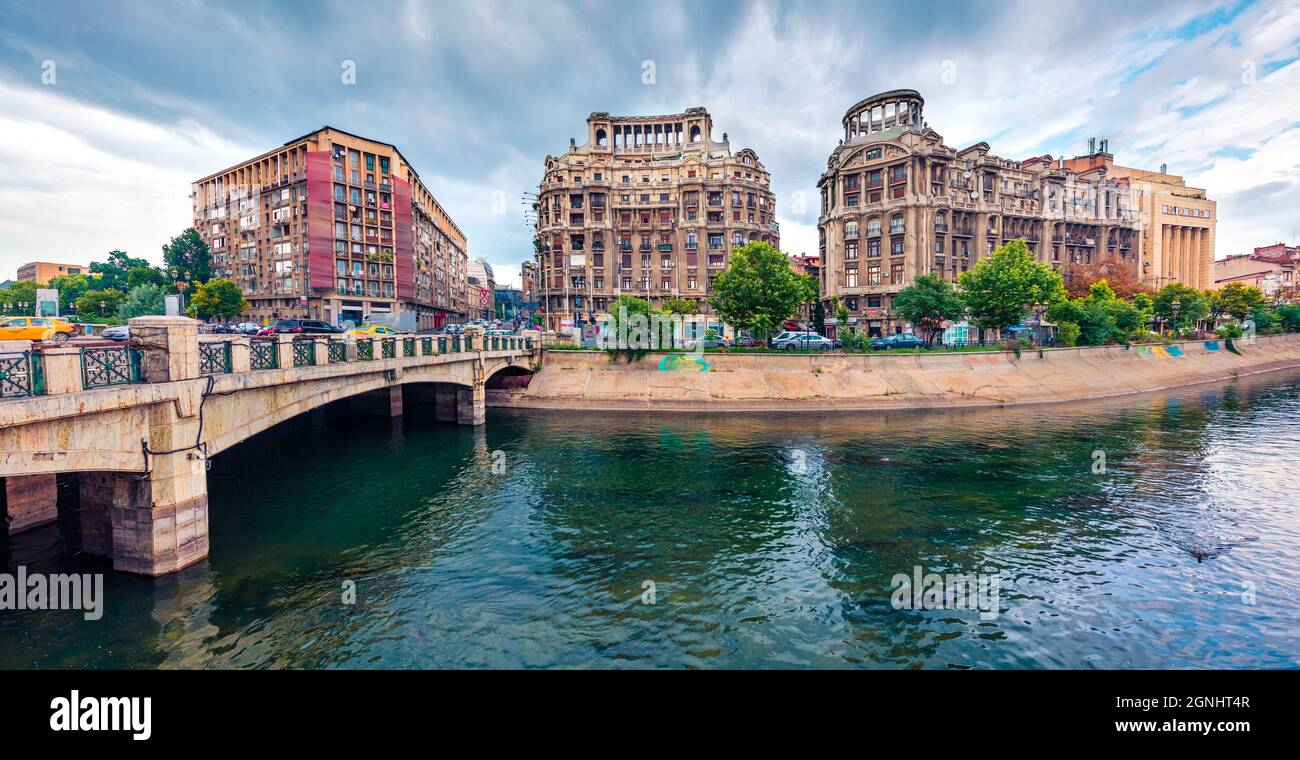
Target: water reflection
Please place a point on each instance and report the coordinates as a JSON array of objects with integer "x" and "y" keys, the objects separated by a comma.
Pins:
[{"x": 771, "y": 540}]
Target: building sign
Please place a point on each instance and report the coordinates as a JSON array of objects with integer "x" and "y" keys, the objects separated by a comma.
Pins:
[
  {"x": 483, "y": 297},
  {"x": 577, "y": 260}
]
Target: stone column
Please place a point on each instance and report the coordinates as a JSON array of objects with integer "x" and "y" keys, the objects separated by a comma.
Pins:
[
  {"x": 470, "y": 407},
  {"x": 322, "y": 347},
  {"x": 169, "y": 347},
  {"x": 62, "y": 370},
  {"x": 284, "y": 350},
  {"x": 30, "y": 501},
  {"x": 241, "y": 354}
]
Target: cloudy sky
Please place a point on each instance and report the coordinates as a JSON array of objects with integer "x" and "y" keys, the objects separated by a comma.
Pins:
[{"x": 109, "y": 110}]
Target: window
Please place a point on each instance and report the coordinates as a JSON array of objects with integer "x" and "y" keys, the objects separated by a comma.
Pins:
[
  {"x": 873, "y": 274},
  {"x": 851, "y": 230}
]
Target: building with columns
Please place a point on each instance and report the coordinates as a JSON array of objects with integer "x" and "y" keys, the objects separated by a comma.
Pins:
[
  {"x": 897, "y": 202},
  {"x": 648, "y": 206},
  {"x": 1178, "y": 223}
]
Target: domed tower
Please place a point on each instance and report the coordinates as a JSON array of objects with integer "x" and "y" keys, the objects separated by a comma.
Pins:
[{"x": 888, "y": 110}]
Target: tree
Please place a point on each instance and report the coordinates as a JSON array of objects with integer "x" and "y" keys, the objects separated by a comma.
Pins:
[
  {"x": 1289, "y": 316},
  {"x": 1192, "y": 305},
  {"x": 217, "y": 299},
  {"x": 627, "y": 328},
  {"x": 758, "y": 290},
  {"x": 677, "y": 307},
  {"x": 138, "y": 276},
  {"x": 188, "y": 258},
  {"x": 113, "y": 272},
  {"x": 100, "y": 304},
  {"x": 19, "y": 293},
  {"x": 70, "y": 287},
  {"x": 141, "y": 301},
  {"x": 1119, "y": 274},
  {"x": 819, "y": 318},
  {"x": 1100, "y": 318},
  {"x": 1002, "y": 288},
  {"x": 928, "y": 302},
  {"x": 1235, "y": 299}
]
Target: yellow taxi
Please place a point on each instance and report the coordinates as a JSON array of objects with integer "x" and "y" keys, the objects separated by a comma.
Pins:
[
  {"x": 369, "y": 331},
  {"x": 33, "y": 328}
]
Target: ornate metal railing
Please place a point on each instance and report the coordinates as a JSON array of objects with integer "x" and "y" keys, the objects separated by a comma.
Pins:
[
  {"x": 496, "y": 343},
  {"x": 338, "y": 351},
  {"x": 263, "y": 354},
  {"x": 455, "y": 344},
  {"x": 528, "y": 343},
  {"x": 214, "y": 357},
  {"x": 408, "y": 346},
  {"x": 111, "y": 365},
  {"x": 21, "y": 375},
  {"x": 442, "y": 345},
  {"x": 304, "y": 353},
  {"x": 365, "y": 349},
  {"x": 388, "y": 348},
  {"x": 426, "y": 346}
]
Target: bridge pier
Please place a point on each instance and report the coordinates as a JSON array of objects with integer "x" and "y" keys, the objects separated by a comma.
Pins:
[
  {"x": 156, "y": 522},
  {"x": 30, "y": 501},
  {"x": 470, "y": 406}
]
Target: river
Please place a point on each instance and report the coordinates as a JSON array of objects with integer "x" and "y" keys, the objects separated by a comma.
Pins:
[{"x": 1148, "y": 531}]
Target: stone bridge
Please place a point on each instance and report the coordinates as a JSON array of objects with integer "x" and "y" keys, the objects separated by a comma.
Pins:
[{"x": 137, "y": 422}]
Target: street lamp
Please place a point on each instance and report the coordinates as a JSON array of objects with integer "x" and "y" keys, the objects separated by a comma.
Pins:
[
  {"x": 102, "y": 304},
  {"x": 1175, "y": 306}
]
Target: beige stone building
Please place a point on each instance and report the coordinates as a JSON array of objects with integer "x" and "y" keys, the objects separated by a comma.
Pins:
[
  {"x": 897, "y": 202},
  {"x": 334, "y": 226},
  {"x": 1178, "y": 223},
  {"x": 649, "y": 206},
  {"x": 1270, "y": 268}
]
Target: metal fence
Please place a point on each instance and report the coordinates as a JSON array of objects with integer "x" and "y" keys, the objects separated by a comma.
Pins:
[
  {"x": 338, "y": 351},
  {"x": 365, "y": 349},
  {"x": 111, "y": 365},
  {"x": 21, "y": 375},
  {"x": 214, "y": 357},
  {"x": 388, "y": 348},
  {"x": 264, "y": 354},
  {"x": 304, "y": 353}
]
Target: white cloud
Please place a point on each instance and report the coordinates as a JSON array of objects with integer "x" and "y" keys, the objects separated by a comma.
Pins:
[{"x": 82, "y": 181}]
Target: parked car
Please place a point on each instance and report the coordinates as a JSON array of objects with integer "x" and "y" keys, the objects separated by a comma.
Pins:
[
  {"x": 247, "y": 328},
  {"x": 791, "y": 341},
  {"x": 901, "y": 340},
  {"x": 299, "y": 326},
  {"x": 117, "y": 332},
  {"x": 694, "y": 343},
  {"x": 31, "y": 328},
  {"x": 222, "y": 329},
  {"x": 370, "y": 331}
]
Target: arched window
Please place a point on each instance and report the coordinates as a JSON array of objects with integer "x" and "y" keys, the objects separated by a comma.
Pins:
[
  {"x": 851, "y": 230},
  {"x": 737, "y": 238},
  {"x": 695, "y": 133},
  {"x": 601, "y": 139}
]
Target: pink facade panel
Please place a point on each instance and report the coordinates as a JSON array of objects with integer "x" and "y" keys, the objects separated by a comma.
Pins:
[
  {"x": 404, "y": 240},
  {"x": 320, "y": 221}
]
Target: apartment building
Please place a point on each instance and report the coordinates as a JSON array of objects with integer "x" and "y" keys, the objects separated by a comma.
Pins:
[
  {"x": 44, "y": 271},
  {"x": 337, "y": 227},
  {"x": 1178, "y": 222},
  {"x": 480, "y": 290},
  {"x": 897, "y": 202},
  {"x": 649, "y": 206}
]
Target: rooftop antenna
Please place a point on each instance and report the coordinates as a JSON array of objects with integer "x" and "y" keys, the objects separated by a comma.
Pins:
[
  {"x": 1092, "y": 145},
  {"x": 1164, "y": 168}
]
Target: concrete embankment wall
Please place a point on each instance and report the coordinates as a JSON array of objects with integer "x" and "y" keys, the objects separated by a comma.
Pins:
[{"x": 589, "y": 380}]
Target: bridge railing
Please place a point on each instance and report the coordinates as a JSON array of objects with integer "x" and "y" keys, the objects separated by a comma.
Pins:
[{"x": 170, "y": 348}]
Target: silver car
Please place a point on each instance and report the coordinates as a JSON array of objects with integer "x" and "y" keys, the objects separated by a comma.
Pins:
[{"x": 792, "y": 341}]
